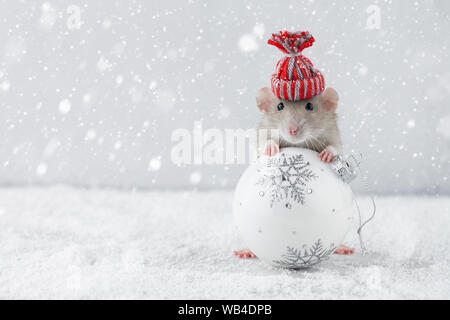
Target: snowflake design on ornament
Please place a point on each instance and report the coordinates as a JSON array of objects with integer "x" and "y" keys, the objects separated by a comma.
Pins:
[
  {"x": 288, "y": 179},
  {"x": 296, "y": 258}
]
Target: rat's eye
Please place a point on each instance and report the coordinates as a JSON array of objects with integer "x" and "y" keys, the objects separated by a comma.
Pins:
[
  {"x": 280, "y": 106},
  {"x": 309, "y": 106}
]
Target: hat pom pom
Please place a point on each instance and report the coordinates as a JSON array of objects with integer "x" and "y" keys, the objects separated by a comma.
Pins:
[{"x": 291, "y": 42}]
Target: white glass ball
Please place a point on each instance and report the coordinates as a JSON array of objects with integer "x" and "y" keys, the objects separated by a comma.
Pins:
[{"x": 292, "y": 210}]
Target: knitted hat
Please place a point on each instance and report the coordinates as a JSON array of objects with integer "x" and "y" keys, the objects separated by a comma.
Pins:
[{"x": 295, "y": 77}]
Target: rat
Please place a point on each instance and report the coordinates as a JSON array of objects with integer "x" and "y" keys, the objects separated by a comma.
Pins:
[{"x": 309, "y": 123}]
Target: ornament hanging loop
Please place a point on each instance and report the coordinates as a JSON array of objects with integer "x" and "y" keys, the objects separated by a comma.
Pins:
[{"x": 347, "y": 168}]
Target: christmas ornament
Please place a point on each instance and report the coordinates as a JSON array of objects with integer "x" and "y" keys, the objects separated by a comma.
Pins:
[
  {"x": 293, "y": 210},
  {"x": 295, "y": 77}
]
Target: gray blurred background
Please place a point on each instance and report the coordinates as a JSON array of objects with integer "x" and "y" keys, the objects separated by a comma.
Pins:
[{"x": 94, "y": 101}]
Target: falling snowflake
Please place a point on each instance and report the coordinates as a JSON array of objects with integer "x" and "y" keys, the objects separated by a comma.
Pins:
[
  {"x": 296, "y": 258},
  {"x": 288, "y": 179}
]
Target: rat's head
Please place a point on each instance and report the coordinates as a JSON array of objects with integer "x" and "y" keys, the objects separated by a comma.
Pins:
[{"x": 299, "y": 121}]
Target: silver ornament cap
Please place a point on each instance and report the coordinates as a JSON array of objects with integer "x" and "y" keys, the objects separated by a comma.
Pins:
[{"x": 346, "y": 166}]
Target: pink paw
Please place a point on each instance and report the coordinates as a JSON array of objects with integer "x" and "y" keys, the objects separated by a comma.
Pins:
[
  {"x": 327, "y": 155},
  {"x": 271, "y": 148},
  {"x": 244, "y": 254},
  {"x": 344, "y": 250}
]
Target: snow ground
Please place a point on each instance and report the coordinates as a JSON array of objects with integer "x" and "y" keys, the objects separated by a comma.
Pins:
[{"x": 62, "y": 242}]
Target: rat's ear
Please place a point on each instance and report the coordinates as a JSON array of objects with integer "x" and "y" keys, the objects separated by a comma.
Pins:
[
  {"x": 330, "y": 99},
  {"x": 265, "y": 99}
]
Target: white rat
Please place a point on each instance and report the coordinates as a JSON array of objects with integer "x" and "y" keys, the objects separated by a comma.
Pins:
[
  {"x": 310, "y": 124},
  {"x": 307, "y": 123}
]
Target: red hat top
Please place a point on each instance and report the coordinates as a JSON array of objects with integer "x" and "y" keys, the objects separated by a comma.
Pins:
[{"x": 295, "y": 78}]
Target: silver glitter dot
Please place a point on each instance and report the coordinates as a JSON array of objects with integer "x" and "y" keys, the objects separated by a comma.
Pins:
[
  {"x": 309, "y": 191},
  {"x": 333, "y": 210},
  {"x": 288, "y": 205},
  {"x": 261, "y": 193}
]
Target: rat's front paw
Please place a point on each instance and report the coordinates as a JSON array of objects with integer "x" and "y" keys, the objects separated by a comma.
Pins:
[
  {"x": 244, "y": 254},
  {"x": 327, "y": 155},
  {"x": 272, "y": 148}
]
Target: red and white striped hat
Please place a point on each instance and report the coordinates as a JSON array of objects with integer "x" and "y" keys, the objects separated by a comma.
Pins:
[{"x": 295, "y": 77}]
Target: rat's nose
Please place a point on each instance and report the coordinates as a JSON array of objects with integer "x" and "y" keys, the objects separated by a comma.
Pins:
[{"x": 293, "y": 130}]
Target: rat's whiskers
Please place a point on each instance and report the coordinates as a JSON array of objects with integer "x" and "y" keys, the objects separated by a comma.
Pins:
[{"x": 321, "y": 144}]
